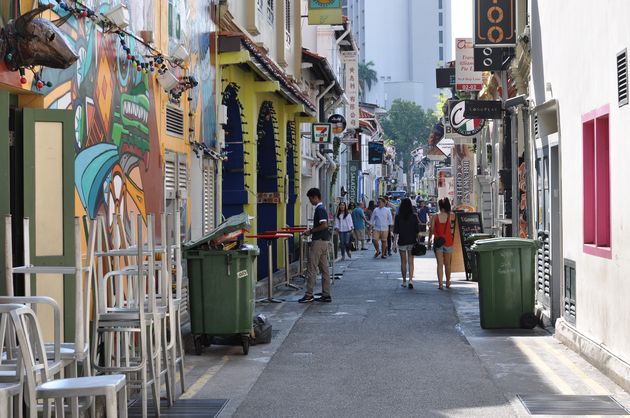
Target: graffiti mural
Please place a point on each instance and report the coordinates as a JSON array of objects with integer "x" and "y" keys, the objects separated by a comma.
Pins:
[{"x": 118, "y": 165}]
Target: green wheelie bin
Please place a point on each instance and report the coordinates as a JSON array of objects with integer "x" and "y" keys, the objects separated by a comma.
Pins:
[
  {"x": 505, "y": 270},
  {"x": 221, "y": 292}
]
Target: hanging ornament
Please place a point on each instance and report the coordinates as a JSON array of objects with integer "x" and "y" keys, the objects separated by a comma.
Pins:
[{"x": 23, "y": 79}]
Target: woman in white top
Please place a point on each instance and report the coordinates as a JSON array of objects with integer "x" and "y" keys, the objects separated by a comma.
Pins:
[{"x": 344, "y": 225}]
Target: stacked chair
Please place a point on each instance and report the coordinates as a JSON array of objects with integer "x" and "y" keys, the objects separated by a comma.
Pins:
[{"x": 131, "y": 287}]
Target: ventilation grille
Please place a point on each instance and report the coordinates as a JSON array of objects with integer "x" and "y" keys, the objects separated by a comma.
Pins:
[
  {"x": 570, "y": 308},
  {"x": 174, "y": 121},
  {"x": 170, "y": 179},
  {"x": 544, "y": 264},
  {"x": 622, "y": 77},
  {"x": 182, "y": 177},
  {"x": 208, "y": 198}
]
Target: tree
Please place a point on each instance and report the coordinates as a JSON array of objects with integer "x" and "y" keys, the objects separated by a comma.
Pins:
[
  {"x": 408, "y": 126},
  {"x": 367, "y": 76}
]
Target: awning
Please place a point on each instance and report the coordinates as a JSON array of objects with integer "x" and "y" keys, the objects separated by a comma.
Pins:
[{"x": 322, "y": 69}]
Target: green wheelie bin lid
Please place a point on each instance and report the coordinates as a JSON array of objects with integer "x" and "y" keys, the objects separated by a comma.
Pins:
[
  {"x": 472, "y": 238},
  {"x": 494, "y": 244},
  {"x": 233, "y": 225}
]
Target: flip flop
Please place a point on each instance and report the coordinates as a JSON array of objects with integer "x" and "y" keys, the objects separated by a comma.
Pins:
[
  {"x": 405, "y": 284},
  {"x": 377, "y": 254},
  {"x": 410, "y": 286}
]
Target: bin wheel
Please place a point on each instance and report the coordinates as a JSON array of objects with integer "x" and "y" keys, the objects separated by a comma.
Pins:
[
  {"x": 198, "y": 346},
  {"x": 245, "y": 343},
  {"x": 529, "y": 320}
]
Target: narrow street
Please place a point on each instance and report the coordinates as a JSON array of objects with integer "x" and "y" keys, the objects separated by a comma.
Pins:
[{"x": 381, "y": 350}]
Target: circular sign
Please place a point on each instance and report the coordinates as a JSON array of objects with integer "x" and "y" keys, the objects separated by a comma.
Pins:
[
  {"x": 462, "y": 125},
  {"x": 338, "y": 124}
]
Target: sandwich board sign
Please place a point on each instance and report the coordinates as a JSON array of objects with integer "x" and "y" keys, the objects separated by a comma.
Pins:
[{"x": 321, "y": 133}]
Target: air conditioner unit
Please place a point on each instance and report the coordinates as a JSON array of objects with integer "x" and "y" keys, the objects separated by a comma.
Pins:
[
  {"x": 167, "y": 80},
  {"x": 118, "y": 15}
]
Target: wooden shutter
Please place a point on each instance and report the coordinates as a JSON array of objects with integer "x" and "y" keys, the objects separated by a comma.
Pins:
[{"x": 208, "y": 196}]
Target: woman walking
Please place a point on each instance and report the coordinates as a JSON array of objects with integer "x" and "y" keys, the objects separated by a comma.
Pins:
[
  {"x": 406, "y": 229},
  {"x": 344, "y": 225},
  {"x": 442, "y": 235}
]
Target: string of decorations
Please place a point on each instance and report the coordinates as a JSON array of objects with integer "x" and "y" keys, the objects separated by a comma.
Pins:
[{"x": 115, "y": 21}]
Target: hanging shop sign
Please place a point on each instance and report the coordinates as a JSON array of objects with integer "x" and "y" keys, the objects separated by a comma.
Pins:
[
  {"x": 444, "y": 78},
  {"x": 351, "y": 62},
  {"x": 495, "y": 23},
  {"x": 376, "y": 150},
  {"x": 460, "y": 123},
  {"x": 492, "y": 59},
  {"x": 321, "y": 133},
  {"x": 466, "y": 78},
  {"x": 325, "y": 12},
  {"x": 338, "y": 123},
  {"x": 483, "y": 109},
  {"x": 463, "y": 164},
  {"x": 354, "y": 170}
]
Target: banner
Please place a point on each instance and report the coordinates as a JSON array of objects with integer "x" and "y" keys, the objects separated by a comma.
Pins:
[
  {"x": 466, "y": 78},
  {"x": 495, "y": 23},
  {"x": 463, "y": 166},
  {"x": 325, "y": 12},
  {"x": 351, "y": 61},
  {"x": 354, "y": 171}
]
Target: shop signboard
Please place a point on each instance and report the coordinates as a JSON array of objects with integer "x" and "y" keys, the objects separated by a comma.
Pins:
[
  {"x": 338, "y": 123},
  {"x": 445, "y": 78},
  {"x": 351, "y": 62},
  {"x": 354, "y": 169},
  {"x": 495, "y": 23},
  {"x": 325, "y": 12},
  {"x": 463, "y": 165},
  {"x": 376, "y": 150},
  {"x": 460, "y": 124},
  {"x": 466, "y": 78},
  {"x": 492, "y": 59},
  {"x": 321, "y": 133},
  {"x": 483, "y": 109}
]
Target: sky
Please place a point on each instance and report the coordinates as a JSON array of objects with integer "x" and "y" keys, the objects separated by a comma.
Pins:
[{"x": 461, "y": 20}]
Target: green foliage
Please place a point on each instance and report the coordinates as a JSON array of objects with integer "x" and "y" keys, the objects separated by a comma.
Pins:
[
  {"x": 442, "y": 99},
  {"x": 408, "y": 126},
  {"x": 367, "y": 76}
]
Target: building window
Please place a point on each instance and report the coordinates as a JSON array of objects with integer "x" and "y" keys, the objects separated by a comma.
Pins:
[
  {"x": 287, "y": 20},
  {"x": 440, "y": 19},
  {"x": 440, "y": 4},
  {"x": 270, "y": 11},
  {"x": 596, "y": 182},
  {"x": 441, "y": 37},
  {"x": 441, "y": 54}
]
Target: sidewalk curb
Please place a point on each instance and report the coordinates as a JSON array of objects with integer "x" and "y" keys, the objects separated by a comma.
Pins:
[{"x": 615, "y": 368}]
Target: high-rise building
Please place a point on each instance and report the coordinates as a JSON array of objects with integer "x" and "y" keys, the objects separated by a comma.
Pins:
[{"x": 406, "y": 40}]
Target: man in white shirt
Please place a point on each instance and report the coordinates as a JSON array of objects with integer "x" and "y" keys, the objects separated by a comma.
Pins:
[{"x": 381, "y": 221}]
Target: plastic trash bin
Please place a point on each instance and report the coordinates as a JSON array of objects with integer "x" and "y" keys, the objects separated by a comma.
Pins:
[
  {"x": 221, "y": 285},
  {"x": 505, "y": 268}
]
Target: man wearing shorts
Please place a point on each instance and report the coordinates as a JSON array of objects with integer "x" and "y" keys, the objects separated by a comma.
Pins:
[
  {"x": 359, "y": 221},
  {"x": 381, "y": 222}
]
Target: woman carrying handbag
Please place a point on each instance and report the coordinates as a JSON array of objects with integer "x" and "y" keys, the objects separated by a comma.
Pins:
[
  {"x": 442, "y": 235},
  {"x": 406, "y": 229}
]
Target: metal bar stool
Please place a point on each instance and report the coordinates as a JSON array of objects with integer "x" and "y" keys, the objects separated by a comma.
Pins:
[{"x": 34, "y": 363}]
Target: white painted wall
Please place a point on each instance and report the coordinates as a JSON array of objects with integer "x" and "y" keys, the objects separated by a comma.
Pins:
[{"x": 579, "y": 64}]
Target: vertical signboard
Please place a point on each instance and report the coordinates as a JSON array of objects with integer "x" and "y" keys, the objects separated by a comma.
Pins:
[
  {"x": 351, "y": 62},
  {"x": 466, "y": 78},
  {"x": 325, "y": 12},
  {"x": 495, "y": 23},
  {"x": 463, "y": 165},
  {"x": 354, "y": 169}
]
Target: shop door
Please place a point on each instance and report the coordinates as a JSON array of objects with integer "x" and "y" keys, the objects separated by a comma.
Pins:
[{"x": 47, "y": 177}]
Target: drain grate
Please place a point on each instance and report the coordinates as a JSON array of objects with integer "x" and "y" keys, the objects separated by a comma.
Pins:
[
  {"x": 183, "y": 408},
  {"x": 571, "y": 405}
]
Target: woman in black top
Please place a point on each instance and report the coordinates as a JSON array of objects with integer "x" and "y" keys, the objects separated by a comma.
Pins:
[{"x": 406, "y": 229}]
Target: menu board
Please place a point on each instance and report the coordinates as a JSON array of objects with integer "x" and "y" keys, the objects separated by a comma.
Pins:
[{"x": 468, "y": 223}]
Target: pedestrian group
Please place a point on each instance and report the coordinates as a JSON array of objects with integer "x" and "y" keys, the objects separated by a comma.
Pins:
[{"x": 401, "y": 230}]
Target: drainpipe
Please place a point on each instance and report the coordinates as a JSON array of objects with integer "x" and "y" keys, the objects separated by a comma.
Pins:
[
  {"x": 320, "y": 97},
  {"x": 338, "y": 41}
]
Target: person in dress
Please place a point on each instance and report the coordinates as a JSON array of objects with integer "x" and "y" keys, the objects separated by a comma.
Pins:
[{"x": 406, "y": 229}]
